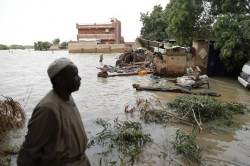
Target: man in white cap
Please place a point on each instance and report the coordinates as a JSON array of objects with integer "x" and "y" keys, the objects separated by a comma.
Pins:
[{"x": 56, "y": 135}]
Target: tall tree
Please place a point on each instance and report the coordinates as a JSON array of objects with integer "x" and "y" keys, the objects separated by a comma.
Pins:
[
  {"x": 63, "y": 45},
  {"x": 225, "y": 21},
  {"x": 189, "y": 20},
  {"x": 154, "y": 24},
  {"x": 56, "y": 41},
  {"x": 42, "y": 46},
  {"x": 232, "y": 31},
  {"x": 4, "y": 47}
]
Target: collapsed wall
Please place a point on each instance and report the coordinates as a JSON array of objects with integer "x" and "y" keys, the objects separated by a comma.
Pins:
[{"x": 176, "y": 60}]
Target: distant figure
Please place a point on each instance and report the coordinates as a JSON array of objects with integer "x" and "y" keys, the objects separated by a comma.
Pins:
[
  {"x": 162, "y": 46},
  {"x": 197, "y": 72},
  {"x": 101, "y": 58},
  {"x": 130, "y": 49},
  {"x": 198, "y": 79},
  {"x": 103, "y": 73}
]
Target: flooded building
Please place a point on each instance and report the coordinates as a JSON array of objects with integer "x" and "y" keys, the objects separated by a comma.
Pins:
[
  {"x": 177, "y": 59},
  {"x": 99, "y": 38},
  {"x": 102, "y": 33}
]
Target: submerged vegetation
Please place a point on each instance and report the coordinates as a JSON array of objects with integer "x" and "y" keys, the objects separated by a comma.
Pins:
[
  {"x": 199, "y": 112},
  {"x": 200, "y": 109},
  {"x": 126, "y": 137},
  {"x": 185, "y": 145},
  {"x": 191, "y": 110}
]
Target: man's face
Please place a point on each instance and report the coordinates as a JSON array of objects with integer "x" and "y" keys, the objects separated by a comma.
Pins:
[{"x": 72, "y": 79}]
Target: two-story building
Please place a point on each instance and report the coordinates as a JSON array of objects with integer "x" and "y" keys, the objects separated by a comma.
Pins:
[{"x": 102, "y": 33}]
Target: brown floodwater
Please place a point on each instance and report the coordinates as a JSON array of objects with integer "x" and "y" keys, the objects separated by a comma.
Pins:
[{"x": 23, "y": 77}]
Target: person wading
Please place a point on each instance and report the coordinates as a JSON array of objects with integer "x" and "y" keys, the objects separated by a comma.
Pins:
[{"x": 56, "y": 135}]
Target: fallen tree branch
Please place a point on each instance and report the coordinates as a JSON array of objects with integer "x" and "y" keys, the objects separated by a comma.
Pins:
[
  {"x": 177, "y": 90},
  {"x": 196, "y": 119}
]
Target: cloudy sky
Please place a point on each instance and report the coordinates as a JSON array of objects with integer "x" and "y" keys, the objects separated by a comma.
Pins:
[{"x": 27, "y": 21}]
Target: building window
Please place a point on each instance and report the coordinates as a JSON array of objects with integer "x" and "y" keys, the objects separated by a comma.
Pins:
[{"x": 106, "y": 30}]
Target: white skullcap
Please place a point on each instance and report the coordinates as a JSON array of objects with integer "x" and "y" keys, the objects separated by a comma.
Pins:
[{"x": 57, "y": 65}]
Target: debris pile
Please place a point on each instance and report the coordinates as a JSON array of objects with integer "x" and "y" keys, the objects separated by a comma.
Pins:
[
  {"x": 138, "y": 62},
  {"x": 139, "y": 55}
]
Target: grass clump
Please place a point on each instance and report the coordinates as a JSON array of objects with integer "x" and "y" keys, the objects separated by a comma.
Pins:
[
  {"x": 126, "y": 137},
  {"x": 5, "y": 151},
  {"x": 184, "y": 144},
  {"x": 5, "y": 161},
  {"x": 9, "y": 150}
]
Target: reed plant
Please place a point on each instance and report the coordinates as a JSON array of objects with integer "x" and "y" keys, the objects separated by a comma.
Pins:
[{"x": 11, "y": 114}]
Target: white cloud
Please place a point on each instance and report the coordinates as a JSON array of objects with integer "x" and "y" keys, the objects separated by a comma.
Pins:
[{"x": 28, "y": 21}]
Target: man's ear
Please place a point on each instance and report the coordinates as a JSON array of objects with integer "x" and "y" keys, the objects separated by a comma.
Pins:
[{"x": 60, "y": 81}]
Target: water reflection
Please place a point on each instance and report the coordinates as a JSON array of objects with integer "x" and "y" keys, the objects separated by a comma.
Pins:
[{"x": 23, "y": 77}]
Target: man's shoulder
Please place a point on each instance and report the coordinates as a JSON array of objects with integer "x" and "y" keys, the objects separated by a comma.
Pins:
[{"x": 50, "y": 101}]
